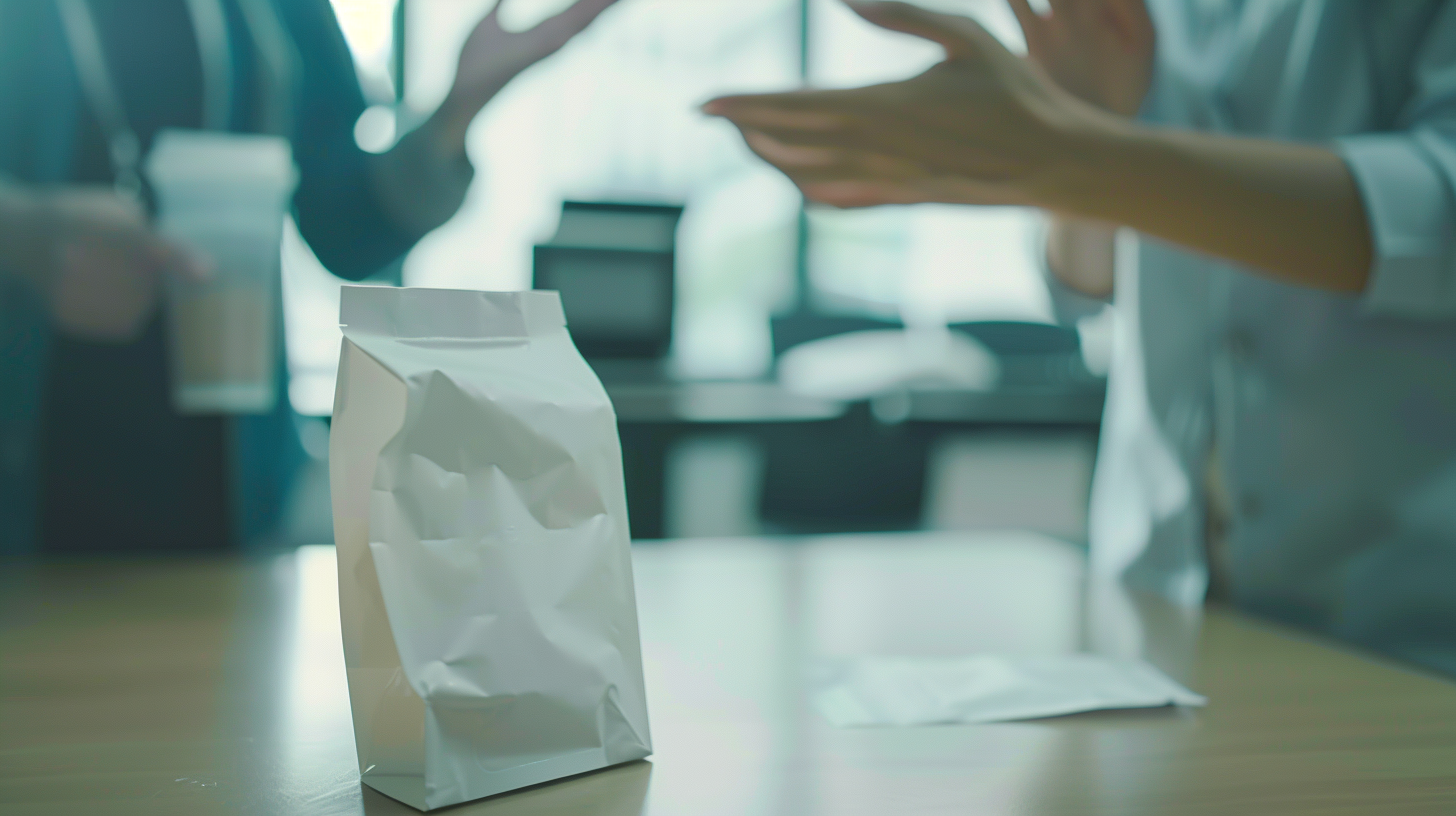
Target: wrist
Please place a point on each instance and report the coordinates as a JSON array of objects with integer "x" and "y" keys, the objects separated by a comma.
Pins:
[
  {"x": 443, "y": 134},
  {"x": 1095, "y": 159},
  {"x": 423, "y": 180},
  {"x": 460, "y": 108}
]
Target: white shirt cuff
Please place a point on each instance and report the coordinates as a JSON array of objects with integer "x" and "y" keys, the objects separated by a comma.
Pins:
[
  {"x": 1068, "y": 305},
  {"x": 1405, "y": 181}
]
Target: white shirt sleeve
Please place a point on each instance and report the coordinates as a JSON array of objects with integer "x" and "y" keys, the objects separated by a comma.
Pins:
[
  {"x": 1407, "y": 179},
  {"x": 1069, "y": 306}
]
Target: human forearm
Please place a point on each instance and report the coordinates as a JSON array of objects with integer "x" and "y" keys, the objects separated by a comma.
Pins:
[
  {"x": 422, "y": 181},
  {"x": 1080, "y": 254},
  {"x": 984, "y": 127},
  {"x": 1290, "y": 210}
]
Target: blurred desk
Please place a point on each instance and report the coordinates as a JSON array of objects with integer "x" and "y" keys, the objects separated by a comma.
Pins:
[
  {"x": 217, "y": 687},
  {"x": 654, "y": 416},
  {"x": 1034, "y": 389},
  {"x": 1080, "y": 405},
  {"x": 766, "y": 402},
  {"x": 834, "y": 458},
  {"x": 719, "y": 403}
]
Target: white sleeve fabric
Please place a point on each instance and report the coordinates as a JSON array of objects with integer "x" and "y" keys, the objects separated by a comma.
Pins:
[
  {"x": 1167, "y": 102},
  {"x": 1406, "y": 182},
  {"x": 1068, "y": 305},
  {"x": 1407, "y": 179}
]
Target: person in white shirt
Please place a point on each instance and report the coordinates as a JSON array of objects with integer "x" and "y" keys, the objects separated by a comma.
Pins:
[{"x": 1285, "y": 292}]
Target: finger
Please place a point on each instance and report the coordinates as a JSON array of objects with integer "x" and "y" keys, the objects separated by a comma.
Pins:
[
  {"x": 823, "y": 165},
  {"x": 857, "y": 139},
  {"x": 870, "y": 179},
  {"x": 573, "y": 21},
  {"x": 794, "y": 160},
  {"x": 784, "y": 111},
  {"x": 850, "y": 195},
  {"x": 869, "y": 150},
  {"x": 805, "y": 110},
  {"x": 1136, "y": 11},
  {"x": 866, "y": 168},
  {"x": 1033, "y": 25},
  {"x": 1077, "y": 12},
  {"x": 790, "y": 156},
  {"x": 182, "y": 263},
  {"x": 1131, "y": 20},
  {"x": 961, "y": 36},
  {"x": 158, "y": 256}
]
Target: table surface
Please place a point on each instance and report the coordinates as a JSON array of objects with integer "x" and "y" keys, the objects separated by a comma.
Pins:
[
  {"x": 717, "y": 403},
  {"x": 1058, "y": 402},
  {"x": 217, "y": 687}
]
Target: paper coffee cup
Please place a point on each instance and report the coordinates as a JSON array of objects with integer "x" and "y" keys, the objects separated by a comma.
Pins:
[{"x": 223, "y": 196}]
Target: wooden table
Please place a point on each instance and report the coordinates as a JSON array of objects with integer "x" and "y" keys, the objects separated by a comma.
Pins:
[{"x": 217, "y": 687}]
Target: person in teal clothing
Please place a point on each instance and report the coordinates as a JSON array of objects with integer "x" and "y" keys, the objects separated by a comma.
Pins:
[{"x": 92, "y": 457}]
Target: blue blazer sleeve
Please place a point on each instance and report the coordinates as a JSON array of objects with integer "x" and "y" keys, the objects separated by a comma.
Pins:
[{"x": 337, "y": 208}]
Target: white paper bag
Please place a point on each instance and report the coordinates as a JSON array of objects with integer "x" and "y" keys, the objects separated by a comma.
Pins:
[{"x": 489, "y": 618}]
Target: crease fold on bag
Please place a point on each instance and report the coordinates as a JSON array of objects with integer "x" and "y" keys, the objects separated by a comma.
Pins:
[{"x": 489, "y": 617}]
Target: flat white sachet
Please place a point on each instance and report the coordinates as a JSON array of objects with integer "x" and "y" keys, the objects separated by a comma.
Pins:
[{"x": 984, "y": 689}]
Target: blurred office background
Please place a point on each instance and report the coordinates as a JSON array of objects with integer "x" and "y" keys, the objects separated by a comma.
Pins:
[{"x": 714, "y": 446}]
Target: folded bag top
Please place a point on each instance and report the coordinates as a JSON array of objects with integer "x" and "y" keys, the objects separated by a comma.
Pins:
[{"x": 449, "y": 313}]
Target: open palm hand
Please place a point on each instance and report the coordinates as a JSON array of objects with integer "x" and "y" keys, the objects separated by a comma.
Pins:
[
  {"x": 1099, "y": 50},
  {"x": 493, "y": 56},
  {"x": 980, "y": 128}
]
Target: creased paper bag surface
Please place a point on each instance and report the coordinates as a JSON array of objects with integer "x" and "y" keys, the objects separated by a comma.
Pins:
[{"x": 489, "y": 617}]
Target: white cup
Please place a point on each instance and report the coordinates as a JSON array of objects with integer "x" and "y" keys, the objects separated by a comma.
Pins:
[{"x": 223, "y": 196}]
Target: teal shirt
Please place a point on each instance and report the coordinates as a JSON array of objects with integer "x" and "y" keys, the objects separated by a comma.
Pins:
[{"x": 48, "y": 136}]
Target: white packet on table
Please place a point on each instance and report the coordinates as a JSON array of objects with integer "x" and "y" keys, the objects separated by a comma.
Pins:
[
  {"x": 987, "y": 688},
  {"x": 489, "y": 616}
]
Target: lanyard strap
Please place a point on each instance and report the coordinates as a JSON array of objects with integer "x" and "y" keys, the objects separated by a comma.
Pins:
[
  {"x": 209, "y": 26},
  {"x": 278, "y": 64},
  {"x": 276, "y": 60},
  {"x": 123, "y": 146}
]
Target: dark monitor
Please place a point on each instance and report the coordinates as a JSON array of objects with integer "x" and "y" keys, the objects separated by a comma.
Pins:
[
  {"x": 614, "y": 267},
  {"x": 618, "y": 303},
  {"x": 600, "y": 225}
]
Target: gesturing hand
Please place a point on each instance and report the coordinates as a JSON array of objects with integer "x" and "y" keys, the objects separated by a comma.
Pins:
[
  {"x": 1100, "y": 50},
  {"x": 493, "y": 56},
  {"x": 983, "y": 127},
  {"x": 423, "y": 179}
]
